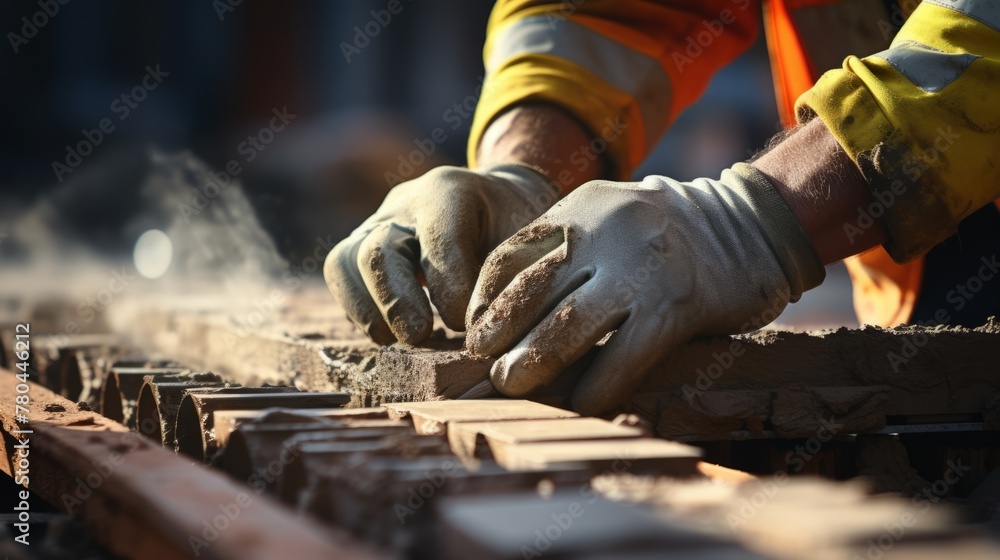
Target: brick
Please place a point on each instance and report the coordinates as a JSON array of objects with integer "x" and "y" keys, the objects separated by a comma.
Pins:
[
  {"x": 786, "y": 516},
  {"x": 55, "y": 358},
  {"x": 566, "y": 525},
  {"x": 254, "y": 446},
  {"x": 404, "y": 375},
  {"x": 930, "y": 370},
  {"x": 794, "y": 412},
  {"x": 195, "y": 428},
  {"x": 392, "y": 498},
  {"x": 159, "y": 399},
  {"x": 308, "y": 342},
  {"x": 802, "y": 412},
  {"x": 225, "y": 421},
  {"x": 120, "y": 391},
  {"x": 317, "y": 453},
  {"x": 712, "y": 415},
  {"x": 312, "y": 346},
  {"x": 146, "y": 501}
]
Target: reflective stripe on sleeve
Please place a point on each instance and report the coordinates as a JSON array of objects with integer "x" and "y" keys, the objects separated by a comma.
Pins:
[{"x": 627, "y": 70}]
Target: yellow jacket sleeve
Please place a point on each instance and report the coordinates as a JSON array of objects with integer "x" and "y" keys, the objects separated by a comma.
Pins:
[
  {"x": 922, "y": 122},
  {"x": 624, "y": 68}
]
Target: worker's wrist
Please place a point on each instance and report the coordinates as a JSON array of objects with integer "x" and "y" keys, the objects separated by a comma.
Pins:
[
  {"x": 543, "y": 137},
  {"x": 824, "y": 190},
  {"x": 791, "y": 245},
  {"x": 531, "y": 182}
]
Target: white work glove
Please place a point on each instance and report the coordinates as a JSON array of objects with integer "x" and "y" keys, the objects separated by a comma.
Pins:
[
  {"x": 438, "y": 228},
  {"x": 660, "y": 261}
]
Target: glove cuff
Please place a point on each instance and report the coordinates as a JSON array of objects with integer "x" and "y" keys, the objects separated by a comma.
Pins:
[
  {"x": 791, "y": 246},
  {"x": 521, "y": 175}
]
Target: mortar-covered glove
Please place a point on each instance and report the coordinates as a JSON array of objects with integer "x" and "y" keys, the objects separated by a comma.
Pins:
[
  {"x": 438, "y": 228},
  {"x": 658, "y": 262}
]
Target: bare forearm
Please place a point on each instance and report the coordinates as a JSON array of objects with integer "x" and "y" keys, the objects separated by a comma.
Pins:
[
  {"x": 544, "y": 137},
  {"x": 823, "y": 188}
]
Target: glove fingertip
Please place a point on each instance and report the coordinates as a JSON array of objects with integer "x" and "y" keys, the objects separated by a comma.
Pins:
[
  {"x": 451, "y": 306},
  {"x": 413, "y": 330},
  {"x": 588, "y": 405},
  {"x": 510, "y": 378},
  {"x": 590, "y": 400},
  {"x": 481, "y": 338}
]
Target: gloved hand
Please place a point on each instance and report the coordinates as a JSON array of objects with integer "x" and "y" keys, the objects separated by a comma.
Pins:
[
  {"x": 658, "y": 262},
  {"x": 439, "y": 226}
]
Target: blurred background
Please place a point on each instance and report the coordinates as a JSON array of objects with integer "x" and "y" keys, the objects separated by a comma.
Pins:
[{"x": 255, "y": 135}]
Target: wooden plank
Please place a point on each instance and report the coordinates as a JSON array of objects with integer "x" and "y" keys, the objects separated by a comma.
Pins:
[
  {"x": 465, "y": 437},
  {"x": 722, "y": 474},
  {"x": 142, "y": 501},
  {"x": 626, "y": 455},
  {"x": 432, "y": 417}
]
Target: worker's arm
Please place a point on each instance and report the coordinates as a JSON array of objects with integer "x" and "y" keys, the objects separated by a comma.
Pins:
[
  {"x": 574, "y": 91},
  {"x": 922, "y": 123},
  {"x": 546, "y": 138},
  {"x": 441, "y": 226},
  {"x": 823, "y": 189},
  {"x": 622, "y": 69}
]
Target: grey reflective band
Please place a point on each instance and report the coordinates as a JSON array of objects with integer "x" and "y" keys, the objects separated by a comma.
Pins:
[
  {"x": 927, "y": 68},
  {"x": 632, "y": 72},
  {"x": 984, "y": 11}
]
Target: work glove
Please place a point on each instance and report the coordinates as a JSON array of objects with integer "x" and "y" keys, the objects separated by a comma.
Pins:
[
  {"x": 437, "y": 228},
  {"x": 658, "y": 262}
]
